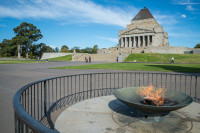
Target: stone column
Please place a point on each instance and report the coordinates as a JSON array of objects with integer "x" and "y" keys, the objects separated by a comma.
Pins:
[
  {"x": 139, "y": 42},
  {"x": 152, "y": 40},
  {"x": 130, "y": 42},
  {"x": 147, "y": 40},
  {"x": 136, "y": 41},
  {"x": 121, "y": 42},
  {"x": 18, "y": 51},
  {"x": 143, "y": 41},
  {"x": 126, "y": 39}
]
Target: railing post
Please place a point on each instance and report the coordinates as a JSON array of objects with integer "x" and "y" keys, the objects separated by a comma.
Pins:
[
  {"x": 195, "y": 88},
  {"x": 16, "y": 123},
  {"x": 45, "y": 98},
  {"x": 90, "y": 85}
]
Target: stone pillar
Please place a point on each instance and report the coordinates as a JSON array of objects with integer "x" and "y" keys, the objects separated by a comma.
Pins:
[
  {"x": 148, "y": 41},
  {"x": 130, "y": 42},
  {"x": 126, "y": 40},
  {"x": 139, "y": 42},
  {"x": 121, "y": 42},
  {"x": 136, "y": 41},
  {"x": 18, "y": 51},
  {"x": 143, "y": 41},
  {"x": 152, "y": 40}
]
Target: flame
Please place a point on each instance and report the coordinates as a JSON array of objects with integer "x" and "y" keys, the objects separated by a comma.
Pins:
[{"x": 157, "y": 96}]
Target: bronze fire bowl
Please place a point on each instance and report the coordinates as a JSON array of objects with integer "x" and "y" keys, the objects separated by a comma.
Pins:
[{"x": 174, "y": 100}]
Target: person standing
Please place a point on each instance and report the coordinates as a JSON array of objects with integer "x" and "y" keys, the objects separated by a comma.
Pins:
[
  {"x": 86, "y": 60},
  {"x": 172, "y": 60},
  {"x": 89, "y": 59}
]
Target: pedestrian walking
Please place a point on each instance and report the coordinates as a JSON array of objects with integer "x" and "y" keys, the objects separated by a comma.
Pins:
[
  {"x": 86, "y": 60},
  {"x": 89, "y": 59},
  {"x": 172, "y": 60}
]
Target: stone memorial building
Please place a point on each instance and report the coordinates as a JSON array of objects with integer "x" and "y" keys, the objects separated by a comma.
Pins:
[
  {"x": 144, "y": 30},
  {"x": 143, "y": 35}
]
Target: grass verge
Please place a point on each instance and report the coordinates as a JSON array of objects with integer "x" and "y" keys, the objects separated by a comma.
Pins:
[
  {"x": 163, "y": 58},
  {"x": 62, "y": 58},
  {"x": 19, "y": 61},
  {"x": 195, "y": 68}
]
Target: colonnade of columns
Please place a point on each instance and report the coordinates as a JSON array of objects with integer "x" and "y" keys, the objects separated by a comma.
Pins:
[{"x": 136, "y": 41}]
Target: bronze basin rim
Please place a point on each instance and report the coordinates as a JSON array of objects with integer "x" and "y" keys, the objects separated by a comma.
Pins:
[{"x": 172, "y": 107}]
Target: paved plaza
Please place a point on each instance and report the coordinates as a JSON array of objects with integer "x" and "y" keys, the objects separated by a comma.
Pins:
[
  {"x": 14, "y": 76},
  {"x": 106, "y": 114}
]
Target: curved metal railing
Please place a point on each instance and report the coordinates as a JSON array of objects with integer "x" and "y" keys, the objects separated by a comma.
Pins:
[{"x": 34, "y": 103}]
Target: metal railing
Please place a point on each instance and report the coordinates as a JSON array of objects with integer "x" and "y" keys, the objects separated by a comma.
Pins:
[{"x": 34, "y": 103}]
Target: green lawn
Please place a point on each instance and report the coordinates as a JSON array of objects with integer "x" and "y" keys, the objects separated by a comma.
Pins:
[
  {"x": 163, "y": 58},
  {"x": 18, "y": 61},
  {"x": 140, "y": 67},
  {"x": 62, "y": 58}
]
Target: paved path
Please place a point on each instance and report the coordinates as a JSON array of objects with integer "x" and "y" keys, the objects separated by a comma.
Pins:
[{"x": 14, "y": 76}]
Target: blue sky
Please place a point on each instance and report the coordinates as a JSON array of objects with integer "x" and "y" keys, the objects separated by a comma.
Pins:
[{"x": 84, "y": 23}]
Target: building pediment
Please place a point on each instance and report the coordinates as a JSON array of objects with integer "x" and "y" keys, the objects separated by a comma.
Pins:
[{"x": 137, "y": 31}]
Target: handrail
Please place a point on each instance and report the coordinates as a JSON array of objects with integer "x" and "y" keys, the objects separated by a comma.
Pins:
[{"x": 34, "y": 102}]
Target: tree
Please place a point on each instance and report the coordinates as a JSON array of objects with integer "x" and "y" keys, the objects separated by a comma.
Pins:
[
  {"x": 8, "y": 48},
  {"x": 64, "y": 49},
  {"x": 77, "y": 49},
  {"x": 197, "y": 46},
  {"x": 88, "y": 50},
  {"x": 57, "y": 50},
  {"x": 94, "y": 49},
  {"x": 40, "y": 49},
  {"x": 27, "y": 33}
]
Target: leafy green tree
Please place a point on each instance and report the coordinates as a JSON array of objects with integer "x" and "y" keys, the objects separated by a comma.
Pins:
[
  {"x": 94, "y": 49},
  {"x": 31, "y": 55},
  {"x": 27, "y": 33},
  {"x": 8, "y": 48},
  {"x": 77, "y": 49},
  {"x": 34, "y": 51},
  {"x": 64, "y": 49},
  {"x": 40, "y": 49},
  {"x": 197, "y": 46},
  {"x": 88, "y": 50},
  {"x": 48, "y": 49},
  {"x": 57, "y": 50}
]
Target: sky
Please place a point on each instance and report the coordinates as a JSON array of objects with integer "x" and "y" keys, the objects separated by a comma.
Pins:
[{"x": 85, "y": 23}]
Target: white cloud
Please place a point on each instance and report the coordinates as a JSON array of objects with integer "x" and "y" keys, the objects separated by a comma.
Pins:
[
  {"x": 75, "y": 11},
  {"x": 190, "y": 8},
  {"x": 184, "y": 2},
  {"x": 115, "y": 40},
  {"x": 183, "y": 15}
]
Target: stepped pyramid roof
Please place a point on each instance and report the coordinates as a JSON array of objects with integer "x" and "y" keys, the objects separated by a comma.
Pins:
[{"x": 143, "y": 14}]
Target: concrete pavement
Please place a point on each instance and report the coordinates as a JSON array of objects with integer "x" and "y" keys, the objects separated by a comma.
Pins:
[{"x": 14, "y": 76}]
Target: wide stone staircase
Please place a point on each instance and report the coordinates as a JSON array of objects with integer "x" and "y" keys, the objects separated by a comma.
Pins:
[
  {"x": 111, "y": 56},
  {"x": 95, "y": 57}
]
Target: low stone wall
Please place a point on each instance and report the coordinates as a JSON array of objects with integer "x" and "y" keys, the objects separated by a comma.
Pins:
[
  {"x": 167, "y": 50},
  {"x": 53, "y": 55},
  {"x": 7, "y": 58},
  {"x": 196, "y": 51}
]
